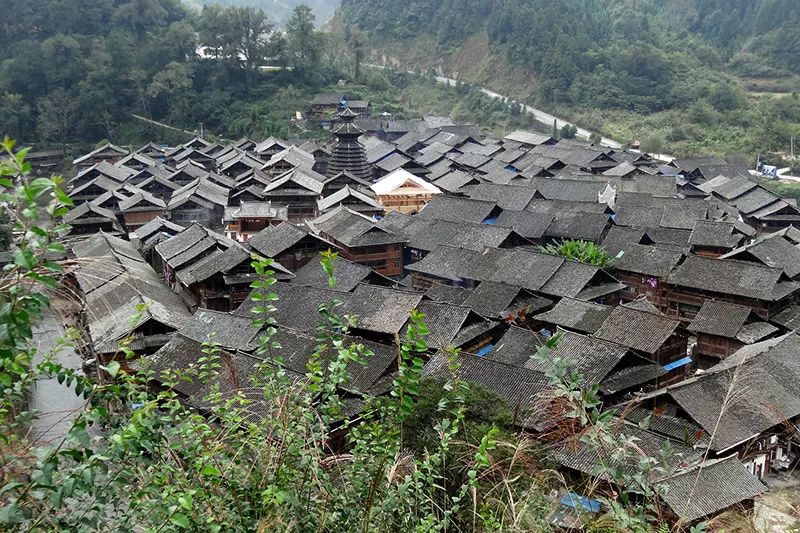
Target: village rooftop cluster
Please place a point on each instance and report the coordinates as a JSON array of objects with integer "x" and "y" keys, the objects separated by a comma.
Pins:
[{"x": 436, "y": 216}]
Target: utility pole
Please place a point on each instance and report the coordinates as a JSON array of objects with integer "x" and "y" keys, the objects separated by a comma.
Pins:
[{"x": 201, "y": 130}]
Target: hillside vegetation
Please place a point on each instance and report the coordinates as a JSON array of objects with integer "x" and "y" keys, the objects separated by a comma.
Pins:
[
  {"x": 72, "y": 76},
  {"x": 630, "y": 61},
  {"x": 77, "y": 71}
]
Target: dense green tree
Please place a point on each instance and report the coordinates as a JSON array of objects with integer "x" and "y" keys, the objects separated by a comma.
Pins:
[
  {"x": 173, "y": 87},
  {"x": 303, "y": 42},
  {"x": 15, "y": 114},
  {"x": 568, "y": 131}
]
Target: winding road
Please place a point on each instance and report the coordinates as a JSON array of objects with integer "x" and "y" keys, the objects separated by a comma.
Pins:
[{"x": 539, "y": 115}]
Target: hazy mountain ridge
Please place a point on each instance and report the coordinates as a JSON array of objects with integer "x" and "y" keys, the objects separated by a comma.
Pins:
[{"x": 279, "y": 11}]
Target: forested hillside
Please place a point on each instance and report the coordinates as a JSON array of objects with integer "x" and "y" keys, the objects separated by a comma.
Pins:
[
  {"x": 75, "y": 72},
  {"x": 78, "y": 70},
  {"x": 642, "y": 57}
]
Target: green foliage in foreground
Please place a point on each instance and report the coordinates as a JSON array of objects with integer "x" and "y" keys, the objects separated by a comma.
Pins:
[
  {"x": 278, "y": 453},
  {"x": 579, "y": 250}
]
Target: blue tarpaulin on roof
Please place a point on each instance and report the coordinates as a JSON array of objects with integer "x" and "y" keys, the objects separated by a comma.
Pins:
[
  {"x": 486, "y": 349},
  {"x": 574, "y": 500},
  {"x": 490, "y": 220},
  {"x": 677, "y": 364}
]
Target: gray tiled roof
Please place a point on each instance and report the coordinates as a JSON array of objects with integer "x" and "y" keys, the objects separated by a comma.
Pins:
[
  {"x": 570, "y": 279},
  {"x": 229, "y": 331},
  {"x": 201, "y": 191},
  {"x": 274, "y": 240},
  {"x": 764, "y": 395},
  {"x": 204, "y": 246},
  {"x": 672, "y": 237},
  {"x": 754, "y": 200},
  {"x": 157, "y": 225},
  {"x": 683, "y": 214},
  {"x": 564, "y": 206},
  {"x": 515, "y": 266},
  {"x": 447, "y": 294},
  {"x": 584, "y": 226},
  {"x": 660, "y": 421},
  {"x": 720, "y": 318},
  {"x": 633, "y": 377},
  {"x": 774, "y": 251},
  {"x": 788, "y": 318},
  {"x": 726, "y": 276},
  {"x": 349, "y": 195},
  {"x": 529, "y": 224},
  {"x": 444, "y": 322},
  {"x": 639, "y": 216},
  {"x": 518, "y": 387},
  {"x": 297, "y": 306},
  {"x": 214, "y": 263},
  {"x": 455, "y": 180},
  {"x": 755, "y": 331},
  {"x": 568, "y": 189},
  {"x": 584, "y": 457},
  {"x": 348, "y": 274},
  {"x": 491, "y": 298},
  {"x": 115, "y": 280},
  {"x": 352, "y": 229},
  {"x": 427, "y": 234},
  {"x": 714, "y": 234},
  {"x": 380, "y": 309},
  {"x": 591, "y": 357},
  {"x": 506, "y": 196},
  {"x": 295, "y": 182},
  {"x": 653, "y": 261},
  {"x": 457, "y": 209},
  {"x": 448, "y": 262},
  {"x": 709, "y": 488},
  {"x": 182, "y": 241},
  {"x": 578, "y": 315},
  {"x": 734, "y": 188},
  {"x": 516, "y": 347},
  {"x": 641, "y": 331}
]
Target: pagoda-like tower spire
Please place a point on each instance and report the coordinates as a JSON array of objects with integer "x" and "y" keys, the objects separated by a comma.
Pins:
[{"x": 348, "y": 155}]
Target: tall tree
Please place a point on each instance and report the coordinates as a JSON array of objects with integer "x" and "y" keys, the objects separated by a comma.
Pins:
[
  {"x": 250, "y": 32},
  {"x": 240, "y": 35},
  {"x": 357, "y": 42},
  {"x": 173, "y": 86},
  {"x": 304, "y": 44}
]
